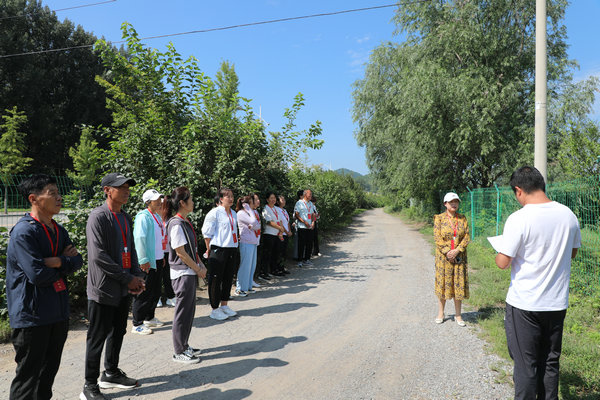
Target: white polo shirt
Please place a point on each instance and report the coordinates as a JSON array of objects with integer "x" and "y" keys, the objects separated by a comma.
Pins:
[
  {"x": 272, "y": 215},
  {"x": 220, "y": 226},
  {"x": 540, "y": 239}
]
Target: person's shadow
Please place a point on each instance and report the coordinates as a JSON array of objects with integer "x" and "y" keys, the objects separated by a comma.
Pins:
[{"x": 199, "y": 375}]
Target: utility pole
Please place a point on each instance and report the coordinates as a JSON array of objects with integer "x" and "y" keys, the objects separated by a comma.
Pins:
[{"x": 540, "y": 155}]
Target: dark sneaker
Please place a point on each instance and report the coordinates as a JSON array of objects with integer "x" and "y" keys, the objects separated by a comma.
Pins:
[
  {"x": 91, "y": 392},
  {"x": 193, "y": 351},
  {"x": 117, "y": 380}
]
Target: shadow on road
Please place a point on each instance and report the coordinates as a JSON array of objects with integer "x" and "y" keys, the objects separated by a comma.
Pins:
[{"x": 198, "y": 376}]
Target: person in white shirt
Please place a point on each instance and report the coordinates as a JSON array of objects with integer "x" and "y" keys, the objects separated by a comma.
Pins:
[
  {"x": 185, "y": 266},
  {"x": 305, "y": 216},
  {"x": 221, "y": 238},
  {"x": 272, "y": 236},
  {"x": 539, "y": 241},
  {"x": 285, "y": 222}
]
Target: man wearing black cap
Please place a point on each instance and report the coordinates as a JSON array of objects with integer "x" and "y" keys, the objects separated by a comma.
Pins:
[{"x": 113, "y": 274}]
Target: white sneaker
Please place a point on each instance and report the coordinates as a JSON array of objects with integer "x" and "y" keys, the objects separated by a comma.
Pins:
[
  {"x": 228, "y": 311},
  {"x": 154, "y": 323},
  {"x": 171, "y": 302},
  {"x": 186, "y": 358},
  {"x": 254, "y": 284},
  {"x": 159, "y": 304},
  {"x": 218, "y": 314},
  {"x": 240, "y": 293},
  {"x": 141, "y": 330}
]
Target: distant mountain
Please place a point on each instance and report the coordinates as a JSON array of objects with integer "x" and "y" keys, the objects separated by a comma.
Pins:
[
  {"x": 366, "y": 181},
  {"x": 345, "y": 171}
]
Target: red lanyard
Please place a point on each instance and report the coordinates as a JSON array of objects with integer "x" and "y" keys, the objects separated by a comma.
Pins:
[
  {"x": 54, "y": 248},
  {"x": 306, "y": 206},
  {"x": 190, "y": 224},
  {"x": 454, "y": 227},
  {"x": 274, "y": 211},
  {"x": 162, "y": 233},
  {"x": 257, "y": 215},
  {"x": 230, "y": 216},
  {"x": 123, "y": 234},
  {"x": 287, "y": 217}
]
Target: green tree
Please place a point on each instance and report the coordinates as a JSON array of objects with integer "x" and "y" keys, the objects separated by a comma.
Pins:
[
  {"x": 174, "y": 124},
  {"x": 573, "y": 137},
  {"x": 452, "y": 106},
  {"x": 87, "y": 159},
  {"x": 56, "y": 90},
  {"x": 12, "y": 147}
]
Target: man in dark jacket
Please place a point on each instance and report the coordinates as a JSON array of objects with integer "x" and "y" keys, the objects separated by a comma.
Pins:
[
  {"x": 39, "y": 257},
  {"x": 113, "y": 274}
]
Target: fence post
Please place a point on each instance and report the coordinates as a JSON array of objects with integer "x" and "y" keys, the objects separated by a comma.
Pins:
[
  {"x": 497, "y": 209},
  {"x": 472, "y": 214}
]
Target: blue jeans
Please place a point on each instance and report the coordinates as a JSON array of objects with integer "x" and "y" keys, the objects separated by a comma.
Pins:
[{"x": 247, "y": 266}]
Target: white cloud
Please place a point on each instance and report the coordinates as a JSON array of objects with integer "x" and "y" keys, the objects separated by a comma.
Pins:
[
  {"x": 358, "y": 58},
  {"x": 363, "y": 39}
]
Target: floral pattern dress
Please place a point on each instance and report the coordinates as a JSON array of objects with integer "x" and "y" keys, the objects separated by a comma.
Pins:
[{"x": 451, "y": 278}]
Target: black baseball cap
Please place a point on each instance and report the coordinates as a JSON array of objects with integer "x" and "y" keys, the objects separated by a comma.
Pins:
[{"x": 115, "y": 179}]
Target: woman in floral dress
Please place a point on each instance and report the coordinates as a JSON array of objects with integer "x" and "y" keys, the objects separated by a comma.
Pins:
[{"x": 451, "y": 233}]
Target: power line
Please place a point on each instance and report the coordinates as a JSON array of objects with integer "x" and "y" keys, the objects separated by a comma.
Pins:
[
  {"x": 61, "y": 9},
  {"x": 225, "y": 27}
]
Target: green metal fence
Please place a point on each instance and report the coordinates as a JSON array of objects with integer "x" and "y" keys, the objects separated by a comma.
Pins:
[
  {"x": 13, "y": 204},
  {"x": 488, "y": 208}
]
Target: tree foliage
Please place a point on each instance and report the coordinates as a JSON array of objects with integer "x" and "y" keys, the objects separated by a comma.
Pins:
[
  {"x": 452, "y": 106},
  {"x": 87, "y": 159},
  {"x": 12, "y": 145},
  {"x": 177, "y": 126},
  {"x": 56, "y": 90}
]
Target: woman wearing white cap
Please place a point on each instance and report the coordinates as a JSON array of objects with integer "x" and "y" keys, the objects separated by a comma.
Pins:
[
  {"x": 451, "y": 233},
  {"x": 150, "y": 243}
]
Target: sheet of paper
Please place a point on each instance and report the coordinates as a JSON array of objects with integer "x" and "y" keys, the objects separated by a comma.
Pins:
[{"x": 496, "y": 242}]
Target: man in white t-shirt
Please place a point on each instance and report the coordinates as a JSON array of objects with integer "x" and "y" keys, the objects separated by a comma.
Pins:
[{"x": 539, "y": 240}]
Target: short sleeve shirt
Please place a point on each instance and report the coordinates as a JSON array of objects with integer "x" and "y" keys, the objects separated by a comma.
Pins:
[
  {"x": 540, "y": 239},
  {"x": 304, "y": 208}
]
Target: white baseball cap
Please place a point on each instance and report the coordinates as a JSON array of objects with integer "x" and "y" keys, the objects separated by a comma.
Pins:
[
  {"x": 451, "y": 196},
  {"x": 150, "y": 195}
]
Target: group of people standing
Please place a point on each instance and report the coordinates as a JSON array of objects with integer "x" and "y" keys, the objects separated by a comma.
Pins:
[{"x": 126, "y": 260}]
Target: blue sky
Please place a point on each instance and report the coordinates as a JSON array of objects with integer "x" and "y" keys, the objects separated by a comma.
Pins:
[{"x": 320, "y": 57}]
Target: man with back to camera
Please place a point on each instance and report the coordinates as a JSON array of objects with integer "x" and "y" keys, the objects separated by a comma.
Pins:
[
  {"x": 539, "y": 240},
  {"x": 113, "y": 274},
  {"x": 40, "y": 255}
]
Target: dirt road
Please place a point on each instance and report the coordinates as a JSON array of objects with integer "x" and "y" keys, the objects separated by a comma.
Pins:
[{"x": 356, "y": 325}]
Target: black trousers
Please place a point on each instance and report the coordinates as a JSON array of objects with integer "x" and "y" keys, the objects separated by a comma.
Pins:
[
  {"x": 534, "y": 343},
  {"x": 164, "y": 273},
  {"x": 221, "y": 267},
  {"x": 283, "y": 246},
  {"x": 144, "y": 304},
  {"x": 315, "y": 250},
  {"x": 270, "y": 253},
  {"x": 38, "y": 352},
  {"x": 107, "y": 324},
  {"x": 305, "y": 243}
]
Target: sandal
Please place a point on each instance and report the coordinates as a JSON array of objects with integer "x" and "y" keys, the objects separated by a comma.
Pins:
[{"x": 440, "y": 320}]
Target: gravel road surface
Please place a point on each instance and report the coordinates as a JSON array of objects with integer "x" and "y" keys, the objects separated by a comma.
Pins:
[{"x": 359, "y": 324}]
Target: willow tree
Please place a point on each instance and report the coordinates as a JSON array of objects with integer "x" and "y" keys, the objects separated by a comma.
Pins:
[{"x": 453, "y": 105}]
